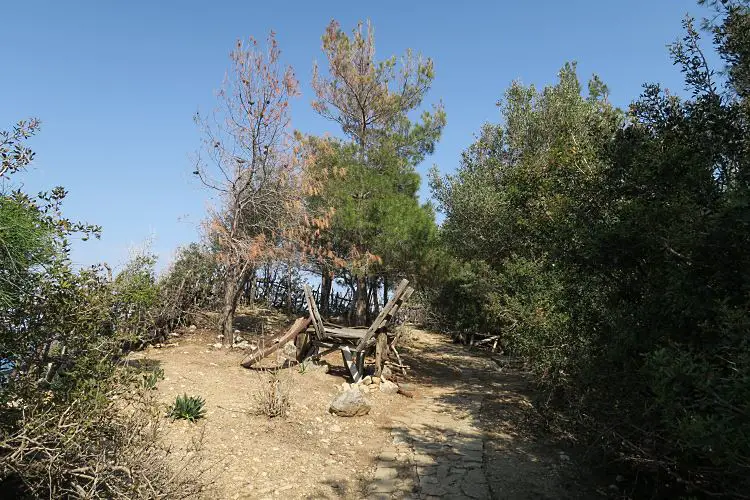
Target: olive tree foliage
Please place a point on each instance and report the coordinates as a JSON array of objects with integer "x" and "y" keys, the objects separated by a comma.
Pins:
[
  {"x": 375, "y": 194},
  {"x": 248, "y": 160},
  {"x": 610, "y": 250}
]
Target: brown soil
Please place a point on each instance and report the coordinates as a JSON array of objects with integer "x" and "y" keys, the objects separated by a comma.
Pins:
[{"x": 313, "y": 454}]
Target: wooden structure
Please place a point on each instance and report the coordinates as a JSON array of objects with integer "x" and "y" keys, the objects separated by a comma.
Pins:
[
  {"x": 354, "y": 343},
  {"x": 272, "y": 344},
  {"x": 315, "y": 338}
]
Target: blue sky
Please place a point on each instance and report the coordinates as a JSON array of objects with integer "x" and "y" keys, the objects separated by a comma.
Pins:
[{"x": 116, "y": 84}]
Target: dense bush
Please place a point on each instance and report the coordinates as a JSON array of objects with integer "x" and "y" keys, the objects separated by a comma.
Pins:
[
  {"x": 74, "y": 420},
  {"x": 612, "y": 250}
]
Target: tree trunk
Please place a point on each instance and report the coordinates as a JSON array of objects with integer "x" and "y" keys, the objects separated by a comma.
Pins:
[
  {"x": 374, "y": 298},
  {"x": 253, "y": 286},
  {"x": 289, "y": 305},
  {"x": 325, "y": 292},
  {"x": 360, "y": 302},
  {"x": 385, "y": 290},
  {"x": 233, "y": 287}
]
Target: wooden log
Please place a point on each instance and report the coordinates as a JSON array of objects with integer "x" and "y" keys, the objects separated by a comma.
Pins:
[
  {"x": 317, "y": 321},
  {"x": 276, "y": 342},
  {"x": 487, "y": 340},
  {"x": 381, "y": 348},
  {"x": 383, "y": 314}
]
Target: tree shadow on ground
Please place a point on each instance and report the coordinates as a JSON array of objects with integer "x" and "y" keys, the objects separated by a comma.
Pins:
[{"x": 521, "y": 459}]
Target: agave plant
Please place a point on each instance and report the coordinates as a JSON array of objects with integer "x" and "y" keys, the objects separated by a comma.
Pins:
[{"x": 187, "y": 408}]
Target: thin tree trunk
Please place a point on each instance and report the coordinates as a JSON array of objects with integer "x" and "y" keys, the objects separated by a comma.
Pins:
[
  {"x": 360, "y": 302},
  {"x": 374, "y": 299},
  {"x": 290, "y": 306},
  {"x": 385, "y": 290},
  {"x": 233, "y": 287},
  {"x": 253, "y": 286},
  {"x": 325, "y": 292}
]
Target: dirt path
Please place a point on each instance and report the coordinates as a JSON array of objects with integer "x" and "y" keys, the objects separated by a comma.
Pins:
[{"x": 461, "y": 436}]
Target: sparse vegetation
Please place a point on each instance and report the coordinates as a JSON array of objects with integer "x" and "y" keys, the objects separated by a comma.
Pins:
[
  {"x": 272, "y": 398},
  {"x": 607, "y": 248},
  {"x": 190, "y": 408}
]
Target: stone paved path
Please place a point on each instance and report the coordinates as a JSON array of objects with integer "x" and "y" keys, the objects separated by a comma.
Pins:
[
  {"x": 435, "y": 452},
  {"x": 465, "y": 435}
]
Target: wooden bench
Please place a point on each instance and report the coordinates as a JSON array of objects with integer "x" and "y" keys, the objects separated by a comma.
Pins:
[{"x": 354, "y": 343}]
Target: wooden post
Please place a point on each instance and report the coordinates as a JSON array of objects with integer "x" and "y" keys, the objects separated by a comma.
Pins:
[
  {"x": 352, "y": 362},
  {"x": 381, "y": 348}
]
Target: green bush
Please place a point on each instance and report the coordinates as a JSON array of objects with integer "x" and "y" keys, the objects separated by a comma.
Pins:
[{"x": 612, "y": 251}]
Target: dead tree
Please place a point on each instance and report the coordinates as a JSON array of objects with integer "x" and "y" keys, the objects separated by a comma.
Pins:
[{"x": 248, "y": 160}]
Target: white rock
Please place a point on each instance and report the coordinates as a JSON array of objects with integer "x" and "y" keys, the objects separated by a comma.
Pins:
[
  {"x": 350, "y": 403},
  {"x": 388, "y": 387}
]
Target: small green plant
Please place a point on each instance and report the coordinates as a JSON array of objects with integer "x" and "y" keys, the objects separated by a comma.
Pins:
[
  {"x": 187, "y": 408},
  {"x": 302, "y": 367},
  {"x": 151, "y": 378}
]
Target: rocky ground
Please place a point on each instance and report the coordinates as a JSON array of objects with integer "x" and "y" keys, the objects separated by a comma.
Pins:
[{"x": 463, "y": 434}]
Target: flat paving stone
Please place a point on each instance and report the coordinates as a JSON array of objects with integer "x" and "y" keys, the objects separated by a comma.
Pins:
[{"x": 386, "y": 473}]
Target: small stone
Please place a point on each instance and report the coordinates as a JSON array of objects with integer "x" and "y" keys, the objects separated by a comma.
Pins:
[
  {"x": 367, "y": 380},
  {"x": 386, "y": 373},
  {"x": 375, "y": 380},
  {"x": 386, "y": 473},
  {"x": 387, "y": 456},
  {"x": 217, "y": 345},
  {"x": 193, "y": 328},
  {"x": 388, "y": 387},
  {"x": 335, "y": 428},
  {"x": 350, "y": 403},
  {"x": 289, "y": 350},
  {"x": 407, "y": 390},
  {"x": 620, "y": 478},
  {"x": 423, "y": 460},
  {"x": 383, "y": 485}
]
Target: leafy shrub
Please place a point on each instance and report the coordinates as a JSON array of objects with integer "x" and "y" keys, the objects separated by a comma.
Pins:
[
  {"x": 190, "y": 408},
  {"x": 612, "y": 251},
  {"x": 152, "y": 378},
  {"x": 74, "y": 422}
]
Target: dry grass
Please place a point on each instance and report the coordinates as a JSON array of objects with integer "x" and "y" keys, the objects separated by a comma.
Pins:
[
  {"x": 106, "y": 447},
  {"x": 272, "y": 398}
]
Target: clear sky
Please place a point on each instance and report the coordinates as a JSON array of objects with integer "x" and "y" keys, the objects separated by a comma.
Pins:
[{"x": 116, "y": 84}]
